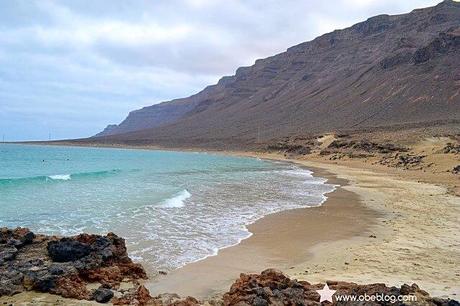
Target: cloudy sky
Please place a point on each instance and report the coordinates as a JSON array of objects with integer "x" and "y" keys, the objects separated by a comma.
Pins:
[{"x": 69, "y": 68}]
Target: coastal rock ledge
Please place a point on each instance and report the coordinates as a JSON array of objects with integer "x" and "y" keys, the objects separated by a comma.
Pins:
[
  {"x": 97, "y": 268},
  {"x": 272, "y": 287},
  {"x": 67, "y": 266}
]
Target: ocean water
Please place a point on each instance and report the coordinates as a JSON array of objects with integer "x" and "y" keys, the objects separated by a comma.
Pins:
[{"x": 172, "y": 207}]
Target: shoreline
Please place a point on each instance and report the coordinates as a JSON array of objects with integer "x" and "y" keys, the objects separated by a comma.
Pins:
[
  {"x": 277, "y": 240},
  {"x": 247, "y": 226},
  {"x": 413, "y": 241},
  {"x": 410, "y": 235},
  {"x": 412, "y": 229}
]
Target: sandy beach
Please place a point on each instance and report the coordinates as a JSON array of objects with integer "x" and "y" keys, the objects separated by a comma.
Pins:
[
  {"x": 416, "y": 236},
  {"x": 380, "y": 225},
  {"x": 283, "y": 240},
  {"x": 376, "y": 227}
]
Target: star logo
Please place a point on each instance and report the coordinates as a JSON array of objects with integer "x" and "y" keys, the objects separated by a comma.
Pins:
[{"x": 326, "y": 294}]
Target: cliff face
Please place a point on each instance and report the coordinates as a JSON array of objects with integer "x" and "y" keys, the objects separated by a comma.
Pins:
[
  {"x": 151, "y": 117},
  {"x": 387, "y": 70}
]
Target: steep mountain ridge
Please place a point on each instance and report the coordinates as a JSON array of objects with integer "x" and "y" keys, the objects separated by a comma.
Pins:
[
  {"x": 152, "y": 116},
  {"x": 387, "y": 70}
]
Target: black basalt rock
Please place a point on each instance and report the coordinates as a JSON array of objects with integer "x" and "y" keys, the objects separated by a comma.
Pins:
[
  {"x": 103, "y": 295},
  {"x": 67, "y": 250}
]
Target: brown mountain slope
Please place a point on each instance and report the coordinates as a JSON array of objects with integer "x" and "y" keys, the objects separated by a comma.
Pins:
[
  {"x": 385, "y": 71},
  {"x": 155, "y": 115}
]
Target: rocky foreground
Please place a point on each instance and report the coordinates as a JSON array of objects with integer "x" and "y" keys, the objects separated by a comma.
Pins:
[
  {"x": 93, "y": 267},
  {"x": 66, "y": 266}
]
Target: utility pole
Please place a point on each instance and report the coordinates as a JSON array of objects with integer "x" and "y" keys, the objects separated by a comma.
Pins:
[{"x": 49, "y": 136}]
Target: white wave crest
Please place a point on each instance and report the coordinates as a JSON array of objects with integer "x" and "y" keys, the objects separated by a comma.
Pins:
[
  {"x": 299, "y": 172},
  {"x": 63, "y": 177},
  {"x": 178, "y": 200}
]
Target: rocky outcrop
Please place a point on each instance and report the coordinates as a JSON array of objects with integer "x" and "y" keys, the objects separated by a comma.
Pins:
[
  {"x": 65, "y": 266},
  {"x": 272, "y": 287},
  {"x": 405, "y": 161},
  {"x": 363, "y": 145},
  {"x": 444, "y": 43},
  {"x": 292, "y": 146},
  {"x": 451, "y": 148}
]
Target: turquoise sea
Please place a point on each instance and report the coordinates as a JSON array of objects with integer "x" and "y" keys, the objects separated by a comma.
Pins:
[{"x": 172, "y": 207}]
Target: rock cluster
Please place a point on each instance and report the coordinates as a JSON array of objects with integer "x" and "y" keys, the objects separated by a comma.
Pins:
[
  {"x": 362, "y": 145},
  {"x": 272, "y": 287},
  {"x": 64, "y": 266},
  {"x": 291, "y": 147},
  {"x": 405, "y": 161},
  {"x": 142, "y": 297},
  {"x": 451, "y": 148},
  {"x": 440, "y": 45}
]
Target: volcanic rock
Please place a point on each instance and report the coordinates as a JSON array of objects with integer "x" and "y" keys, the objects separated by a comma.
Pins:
[
  {"x": 451, "y": 148},
  {"x": 67, "y": 250},
  {"x": 64, "y": 266},
  {"x": 272, "y": 287},
  {"x": 103, "y": 295},
  {"x": 456, "y": 169}
]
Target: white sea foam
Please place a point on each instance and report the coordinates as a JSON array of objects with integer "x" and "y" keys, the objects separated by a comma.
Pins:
[
  {"x": 169, "y": 232},
  {"x": 63, "y": 177},
  {"x": 219, "y": 217},
  {"x": 298, "y": 172},
  {"x": 178, "y": 200},
  {"x": 222, "y": 213}
]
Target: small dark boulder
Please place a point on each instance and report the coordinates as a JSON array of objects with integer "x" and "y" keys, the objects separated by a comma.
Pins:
[
  {"x": 456, "y": 170},
  {"x": 102, "y": 295},
  {"x": 7, "y": 253},
  {"x": 67, "y": 249},
  {"x": 258, "y": 301},
  {"x": 17, "y": 237},
  {"x": 28, "y": 237},
  {"x": 45, "y": 283}
]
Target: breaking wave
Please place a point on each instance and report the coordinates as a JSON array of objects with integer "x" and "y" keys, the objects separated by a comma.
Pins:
[
  {"x": 178, "y": 200},
  {"x": 64, "y": 177},
  {"x": 56, "y": 177}
]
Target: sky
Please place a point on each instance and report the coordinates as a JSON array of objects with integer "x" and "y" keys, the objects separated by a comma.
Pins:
[{"x": 68, "y": 68}]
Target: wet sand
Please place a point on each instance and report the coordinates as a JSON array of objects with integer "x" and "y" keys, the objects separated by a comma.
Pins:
[
  {"x": 413, "y": 240},
  {"x": 382, "y": 225},
  {"x": 280, "y": 240}
]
